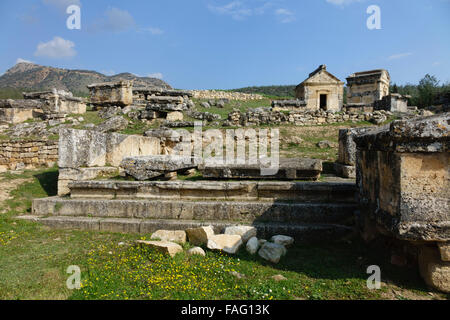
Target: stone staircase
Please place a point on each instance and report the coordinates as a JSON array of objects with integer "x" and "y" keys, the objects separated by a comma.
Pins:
[{"x": 308, "y": 211}]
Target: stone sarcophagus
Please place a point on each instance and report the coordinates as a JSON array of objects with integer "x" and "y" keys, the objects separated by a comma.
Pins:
[
  {"x": 58, "y": 101},
  {"x": 403, "y": 176},
  {"x": 112, "y": 93}
]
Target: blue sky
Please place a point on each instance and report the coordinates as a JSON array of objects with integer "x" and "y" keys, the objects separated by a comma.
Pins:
[{"x": 224, "y": 44}]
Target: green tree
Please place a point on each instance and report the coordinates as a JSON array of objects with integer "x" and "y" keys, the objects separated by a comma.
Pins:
[{"x": 427, "y": 91}]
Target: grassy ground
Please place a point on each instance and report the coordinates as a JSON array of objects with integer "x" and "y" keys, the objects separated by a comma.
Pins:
[{"x": 34, "y": 260}]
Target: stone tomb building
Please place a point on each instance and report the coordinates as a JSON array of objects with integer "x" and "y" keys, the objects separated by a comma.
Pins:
[
  {"x": 366, "y": 87},
  {"x": 322, "y": 91}
]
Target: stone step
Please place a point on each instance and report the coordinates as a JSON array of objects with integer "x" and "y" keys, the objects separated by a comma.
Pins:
[
  {"x": 216, "y": 190},
  {"x": 250, "y": 212},
  {"x": 303, "y": 233}
]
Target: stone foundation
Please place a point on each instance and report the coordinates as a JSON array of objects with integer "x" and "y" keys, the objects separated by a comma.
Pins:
[{"x": 18, "y": 155}]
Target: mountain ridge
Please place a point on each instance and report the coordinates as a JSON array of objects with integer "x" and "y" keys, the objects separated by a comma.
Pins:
[{"x": 34, "y": 77}]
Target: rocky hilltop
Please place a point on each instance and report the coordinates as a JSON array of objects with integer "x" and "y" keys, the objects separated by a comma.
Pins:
[{"x": 29, "y": 76}]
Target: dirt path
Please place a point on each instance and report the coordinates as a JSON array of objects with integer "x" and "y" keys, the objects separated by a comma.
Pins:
[{"x": 6, "y": 186}]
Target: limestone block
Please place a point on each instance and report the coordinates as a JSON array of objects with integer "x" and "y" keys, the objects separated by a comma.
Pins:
[
  {"x": 199, "y": 236},
  {"x": 246, "y": 232},
  {"x": 225, "y": 242},
  {"x": 444, "y": 249},
  {"x": 170, "y": 235},
  {"x": 252, "y": 245},
  {"x": 174, "y": 116},
  {"x": 272, "y": 252},
  {"x": 148, "y": 167},
  {"x": 164, "y": 247},
  {"x": 196, "y": 251},
  {"x": 283, "y": 240},
  {"x": 433, "y": 270}
]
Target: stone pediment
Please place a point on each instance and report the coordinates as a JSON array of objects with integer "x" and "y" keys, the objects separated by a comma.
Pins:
[{"x": 321, "y": 75}]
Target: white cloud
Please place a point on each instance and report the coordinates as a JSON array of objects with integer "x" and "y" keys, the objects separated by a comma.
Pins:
[
  {"x": 61, "y": 4},
  {"x": 157, "y": 75},
  {"x": 400, "y": 56},
  {"x": 436, "y": 64},
  {"x": 56, "y": 48},
  {"x": 114, "y": 20},
  {"x": 343, "y": 2},
  {"x": 154, "y": 31},
  {"x": 20, "y": 60},
  {"x": 239, "y": 10},
  {"x": 284, "y": 15}
]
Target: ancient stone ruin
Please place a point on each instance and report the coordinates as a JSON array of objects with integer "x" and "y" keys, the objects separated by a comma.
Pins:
[
  {"x": 43, "y": 105},
  {"x": 111, "y": 94},
  {"x": 321, "y": 91},
  {"x": 403, "y": 180}
]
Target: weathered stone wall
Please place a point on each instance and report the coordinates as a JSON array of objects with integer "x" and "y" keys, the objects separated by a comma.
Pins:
[
  {"x": 264, "y": 116},
  {"x": 21, "y": 154},
  {"x": 213, "y": 94},
  {"x": 403, "y": 178},
  {"x": 86, "y": 153}
]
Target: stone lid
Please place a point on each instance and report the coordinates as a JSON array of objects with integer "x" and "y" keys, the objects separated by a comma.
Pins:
[
  {"x": 123, "y": 83},
  {"x": 21, "y": 103},
  {"x": 429, "y": 134}
]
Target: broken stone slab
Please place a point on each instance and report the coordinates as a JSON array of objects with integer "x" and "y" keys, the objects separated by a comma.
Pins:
[
  {"x": 165, "y": 100},
  {"x": 272, "y": 252},
  {"x": 225, "y": 242},
  {"x": 283, "y": 240},
  {"x": 174, "y": 116},
  {"x": 430, "y": 134},
  {"x": 114, "y": 124},
  {"x": 170, "y": 235},
  {"x": 196, "y": 251},
  {"x": 246, "y": 232},
  {"x": 345, "y": 171},
  {"x": 433, "y": 270},
  {"x": 199, "y": 236},
  {"x": 164, "y": 247},
  {"x": 347, "y": 145},
  {"x": 148, "y": 167},
  {"x": 166, "y": 108},
  {"x": 252, "y": 245},
  {"x": 288, "y": 169}
]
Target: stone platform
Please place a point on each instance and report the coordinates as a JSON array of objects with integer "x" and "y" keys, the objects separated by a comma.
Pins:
[
  {"x": 310, "y": 212},
  {"x": 289, "y": 169}
]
